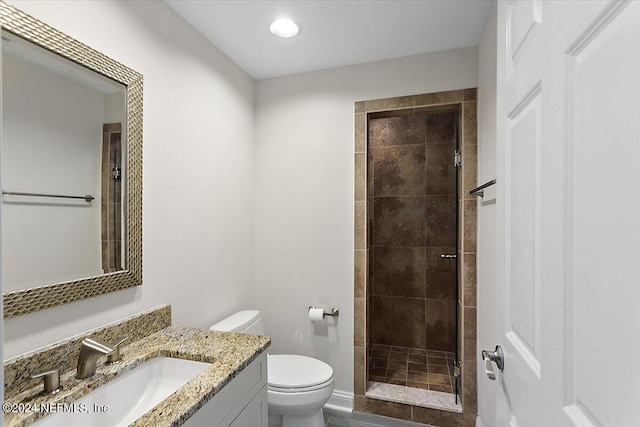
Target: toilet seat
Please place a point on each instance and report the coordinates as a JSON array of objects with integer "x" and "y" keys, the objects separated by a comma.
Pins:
[
  {"x": 292, "y": 373},
  {"x": 300, "y": 389}
]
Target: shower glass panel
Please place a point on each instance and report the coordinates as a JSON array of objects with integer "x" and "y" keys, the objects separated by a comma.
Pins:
[{"x": 413, "y": 194}]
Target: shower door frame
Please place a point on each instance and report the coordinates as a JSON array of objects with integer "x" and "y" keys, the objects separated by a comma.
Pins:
[{"x": 465, "y": 101}]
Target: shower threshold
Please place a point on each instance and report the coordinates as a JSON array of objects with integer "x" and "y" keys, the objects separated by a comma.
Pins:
[{"x": 413, "y": 396}]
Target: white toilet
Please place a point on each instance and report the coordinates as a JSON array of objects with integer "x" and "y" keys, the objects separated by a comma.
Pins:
[{"x": 298, "y": 386}]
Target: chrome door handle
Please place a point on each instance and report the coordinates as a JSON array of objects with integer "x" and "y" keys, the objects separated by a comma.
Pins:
[
  {"x": 496, "y": 356},
  {"x": 448, "y": 256}
]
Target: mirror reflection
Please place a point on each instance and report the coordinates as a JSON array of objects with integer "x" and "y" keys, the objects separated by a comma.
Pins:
[{"x": 63, "y": 169}]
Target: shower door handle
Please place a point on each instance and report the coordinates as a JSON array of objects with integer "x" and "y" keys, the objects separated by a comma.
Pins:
[
  {"x": 490, "y": 357},
  {"x": 448, "y": 256}
]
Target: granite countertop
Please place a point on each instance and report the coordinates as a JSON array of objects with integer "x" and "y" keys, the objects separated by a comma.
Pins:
[{"x": 228, "y": 352}]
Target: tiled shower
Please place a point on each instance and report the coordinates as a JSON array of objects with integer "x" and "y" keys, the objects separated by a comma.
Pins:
[
  {"x": 111, "y": 202},
  {"x": 413, "y": 228},
  {"x": 392, "y": 280}
]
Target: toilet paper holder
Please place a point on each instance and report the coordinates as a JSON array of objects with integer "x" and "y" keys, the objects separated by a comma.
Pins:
[{"x": 333, "y": 313}]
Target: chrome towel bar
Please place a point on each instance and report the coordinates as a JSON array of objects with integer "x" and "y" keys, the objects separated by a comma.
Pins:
[
  {"x": 479, "y": 191},
  {"x": 87, "y": 197}
]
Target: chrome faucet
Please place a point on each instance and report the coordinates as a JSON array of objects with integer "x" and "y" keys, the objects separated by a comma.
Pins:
[{"x": 90, "y": 350}]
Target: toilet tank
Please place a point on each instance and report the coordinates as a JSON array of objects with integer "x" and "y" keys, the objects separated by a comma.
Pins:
[{"x": 246, "y": 322}]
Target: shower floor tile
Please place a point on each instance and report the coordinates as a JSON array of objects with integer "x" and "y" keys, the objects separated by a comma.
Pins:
[{"x": 412, "y": 367}]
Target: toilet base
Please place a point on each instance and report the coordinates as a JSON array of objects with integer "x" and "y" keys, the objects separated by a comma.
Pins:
[
  {"x": 314, "y": 419},
  {"x": 298, "y": 409}
]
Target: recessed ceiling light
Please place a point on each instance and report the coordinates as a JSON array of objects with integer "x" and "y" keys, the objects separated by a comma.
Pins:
[{"x": 284, "y": 28}]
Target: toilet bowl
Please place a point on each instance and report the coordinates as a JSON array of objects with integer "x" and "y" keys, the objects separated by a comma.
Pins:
[{"x": 298, "y": 386}]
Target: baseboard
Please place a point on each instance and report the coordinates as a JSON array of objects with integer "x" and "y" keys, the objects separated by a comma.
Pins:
[
  {"x": 340, "y": 401},
  {"x": 478, "y": 421}
]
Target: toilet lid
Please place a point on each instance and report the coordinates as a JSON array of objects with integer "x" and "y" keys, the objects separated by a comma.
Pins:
[{"x": 294, "y": 371}]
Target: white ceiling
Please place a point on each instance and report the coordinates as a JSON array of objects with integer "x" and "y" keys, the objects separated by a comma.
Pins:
[{"x": 333, "y": 33}]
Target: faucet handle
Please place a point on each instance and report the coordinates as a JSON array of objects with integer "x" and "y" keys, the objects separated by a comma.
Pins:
[
  {"x": 51, "y": 380},
  {"x": 115, "y": 356}
]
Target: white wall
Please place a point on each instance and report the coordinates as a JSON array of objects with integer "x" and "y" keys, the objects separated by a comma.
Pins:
[
  {"x": 1, "y": 299},
  {"x": 52, "y": 143},
  {"x": 304, "y": 178},
  {"x": 197, "y": 198},
  {"x": 115, "y": 105},
  {"x": 486, "y": 243}
]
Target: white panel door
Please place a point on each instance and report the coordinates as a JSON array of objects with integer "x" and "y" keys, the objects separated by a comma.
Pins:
[{"x": 568, "y": 242}]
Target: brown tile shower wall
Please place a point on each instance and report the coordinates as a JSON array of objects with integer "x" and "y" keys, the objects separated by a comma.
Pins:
[
  {"x": 412, "y": 217},
  {"x": 467, "y": 206},
  {"x": 111, "y": 205},
  {"x": 363, "y": 291}
]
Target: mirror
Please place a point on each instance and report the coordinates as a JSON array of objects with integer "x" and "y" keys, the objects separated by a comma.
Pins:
[
  {"x": 71, "y": 168},
  {"x": 61, "y": 169}
]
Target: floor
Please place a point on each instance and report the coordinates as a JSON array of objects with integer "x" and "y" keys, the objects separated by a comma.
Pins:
[
  {"x": 357, "y": 419},
  {"x": 417, "y": 368}
]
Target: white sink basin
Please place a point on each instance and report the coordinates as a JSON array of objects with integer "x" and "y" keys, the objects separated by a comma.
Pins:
[{"x": 125, "y": 399}]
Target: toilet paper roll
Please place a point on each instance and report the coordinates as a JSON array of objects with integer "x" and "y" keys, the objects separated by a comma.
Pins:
[{"x": 316, "y": 314}]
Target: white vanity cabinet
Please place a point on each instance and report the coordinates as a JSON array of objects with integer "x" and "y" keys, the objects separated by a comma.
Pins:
[{"x": 241, "y": 403}]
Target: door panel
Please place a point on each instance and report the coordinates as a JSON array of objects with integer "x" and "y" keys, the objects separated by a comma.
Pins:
[
  {"x": 603, "y": 206},
  {"x": 524, "y": 17},
  {"x": 568, "y": 244},
  {"x": 520, "y": 106},
  {"x": 523, "y": 287}
]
